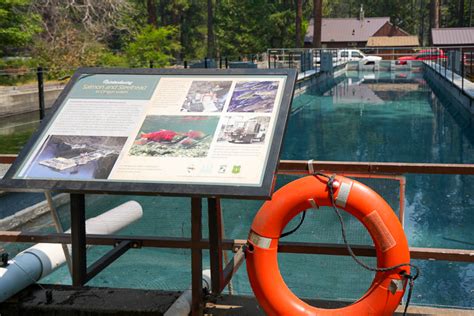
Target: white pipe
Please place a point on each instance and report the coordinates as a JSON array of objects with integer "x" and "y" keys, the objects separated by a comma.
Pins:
[
  {"x": 182, "y": 306},
  {"x": 40, "y": 260}
]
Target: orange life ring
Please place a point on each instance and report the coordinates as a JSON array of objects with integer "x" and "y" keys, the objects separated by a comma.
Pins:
[{"x": 391, "y": 246}]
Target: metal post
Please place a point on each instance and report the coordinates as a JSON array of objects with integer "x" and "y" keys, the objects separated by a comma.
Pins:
[
  {"x": 205, "y": 62},
  {"x": 471, "y": 62},
  {"x": 290, "y": 57},
  {"x": 452, "y": 67},
  {"x": 445, "y": 67},
  {"x": 185, "y": 64},
  {"x": 78, "y": 239},
  {"x": 274, "y": 60},
  {"x": 401, "y": 214},
  {"x": 226, "y": 63},
  {"x": 462, "y": 70},
  {"x": 269, "y": 56},
  {"x": 220, "y": 62},
  {"x": 215, "y": 243},
  {"x": 39, "y": 74},
  {"x": 196, "y": 257},
  {"x": 59, "y": 228}
]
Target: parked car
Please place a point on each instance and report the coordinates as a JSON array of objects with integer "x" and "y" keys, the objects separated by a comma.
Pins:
[
  {"x": 468, "y": 58},
  {"x": 351, "y": 55},
  {"x": 425, "y": 54}
]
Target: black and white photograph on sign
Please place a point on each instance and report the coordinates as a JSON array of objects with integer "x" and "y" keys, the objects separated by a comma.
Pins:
[
  {"x": 76, "y": 157},
  {"x": 175, "y": 136},
  {"x": 253, "y": 96},
  {"x": 206, "y": 96},
  {"x": 244, "y": 130}
]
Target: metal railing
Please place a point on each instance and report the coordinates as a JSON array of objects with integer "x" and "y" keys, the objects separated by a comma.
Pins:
[
  {"x": 385, "y": 170},
  {"x": 309, "y": 58},
  {"x": 455, "y": 64},
  {"x": 221, "y": 276}
]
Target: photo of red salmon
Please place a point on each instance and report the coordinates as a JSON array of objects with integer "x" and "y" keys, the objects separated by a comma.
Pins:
[
  {"x": 174, "y": 136},
  {"x": 196, "y": 134},
  {"x": 160, "y": 136}
]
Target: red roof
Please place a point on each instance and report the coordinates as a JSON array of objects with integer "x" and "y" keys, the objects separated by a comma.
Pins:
[
  {"x": 453, "y": 36},
  {"x": 347, "y": 29}
]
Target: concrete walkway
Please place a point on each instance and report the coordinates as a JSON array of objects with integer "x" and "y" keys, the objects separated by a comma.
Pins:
[
  {"x": 454, "y": 78},
  {"x": 31, "y": 87}
]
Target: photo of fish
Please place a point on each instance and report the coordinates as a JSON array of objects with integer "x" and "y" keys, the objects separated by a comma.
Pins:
[
  {"x": 76, "y": 157},
  {"x": 175, "y": 136},
  {"x": 244, "y": 130},
  {"x": 253, "y": 96},
  {"x": 206, "y": 96}
]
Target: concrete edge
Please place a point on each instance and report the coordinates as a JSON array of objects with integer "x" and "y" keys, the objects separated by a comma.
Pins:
[{"x": 30, "y": 213}]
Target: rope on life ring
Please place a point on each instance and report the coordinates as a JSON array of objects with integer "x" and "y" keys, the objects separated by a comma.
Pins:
[{"x": 393, "y": 257}]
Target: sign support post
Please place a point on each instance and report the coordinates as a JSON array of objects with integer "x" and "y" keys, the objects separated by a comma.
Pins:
[
  {"x": 196, "y": 256},
  {"x": 78, "y": 239},
  {"x": 215, "y": 243}
]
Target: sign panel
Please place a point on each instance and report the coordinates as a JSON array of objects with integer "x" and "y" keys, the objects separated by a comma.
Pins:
[{"x": 175, "y": 132}]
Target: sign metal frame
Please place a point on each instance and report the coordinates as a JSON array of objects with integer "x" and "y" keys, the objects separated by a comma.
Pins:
[{"x": 9, "y": 183}]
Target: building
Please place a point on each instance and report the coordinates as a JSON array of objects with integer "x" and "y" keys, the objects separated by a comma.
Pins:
[
  {"x": 456, "y": 36},
  {"x": 390, "y": 47},
  {"x": 352, "y": 32}
]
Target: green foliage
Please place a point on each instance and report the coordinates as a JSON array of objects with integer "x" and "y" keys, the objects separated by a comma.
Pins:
[
  {"x": 17, "y": 25},
  {"x": 15, "y": 70},
  {"x": 70, "y": 50},
  {"x": 115, "y": 32},
  {"x": 110, "y": 59},
  {"x": 246, "y": 27},
  {"x": 153, "y": 44},
  {"x": 193, "y": 31}
]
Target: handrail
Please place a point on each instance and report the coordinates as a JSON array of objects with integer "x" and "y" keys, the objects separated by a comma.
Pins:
[
  {"x": 7, "y": 158},
  {"x": 301, "y": 167},
  {"x": 442, "y": 254},
  {"x": 396, "y": 168}
]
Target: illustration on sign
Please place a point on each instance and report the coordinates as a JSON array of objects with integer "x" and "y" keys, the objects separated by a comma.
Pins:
[
  {"x": 254, "y": 96},
  {"x": 206, "y": 96},
  {"x": 76, "y": 157},
  {"x": 244, "y": 130},
  {"x": 175, "y": 136}
]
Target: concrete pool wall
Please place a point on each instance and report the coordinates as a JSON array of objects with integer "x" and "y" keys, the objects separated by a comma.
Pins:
[{"x": 443, "y": 79}]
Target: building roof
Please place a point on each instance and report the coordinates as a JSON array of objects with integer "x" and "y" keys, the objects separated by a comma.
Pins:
[
  {"x": 392, "y": 41},
  {"x": 453, "y": 36},
  {"x": 347, "y": 29}
]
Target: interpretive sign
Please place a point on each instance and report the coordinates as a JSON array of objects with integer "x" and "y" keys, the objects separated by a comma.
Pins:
[{"x": 180, "y": 132}]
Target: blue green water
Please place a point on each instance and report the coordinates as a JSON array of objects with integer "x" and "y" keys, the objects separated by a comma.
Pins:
[{"x": 367, "y": 117}]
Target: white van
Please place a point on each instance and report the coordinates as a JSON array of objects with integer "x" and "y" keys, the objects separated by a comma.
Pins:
[{"x": 352, "y": 55}]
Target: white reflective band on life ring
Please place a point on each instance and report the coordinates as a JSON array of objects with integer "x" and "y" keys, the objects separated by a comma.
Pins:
[
  {"x": 343, "y": 194},
  {"x": 259, "y": 241},
  {"x": 313, "y": 203}
]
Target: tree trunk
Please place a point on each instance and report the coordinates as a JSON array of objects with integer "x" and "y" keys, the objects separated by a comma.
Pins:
[
  {"x": 318, "y": 17},
  {"x": 151, "y": 10},
  {"x": 434, "y": 17},
  {"x": 470, "y": 13},
  {"x": 461, "y": 13},
  {"x": 299, "y": 18},
  {"x": 435, "y": 9},
  {"x": 210, "y": 30},
  {"x": 422, "y": 23}
]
